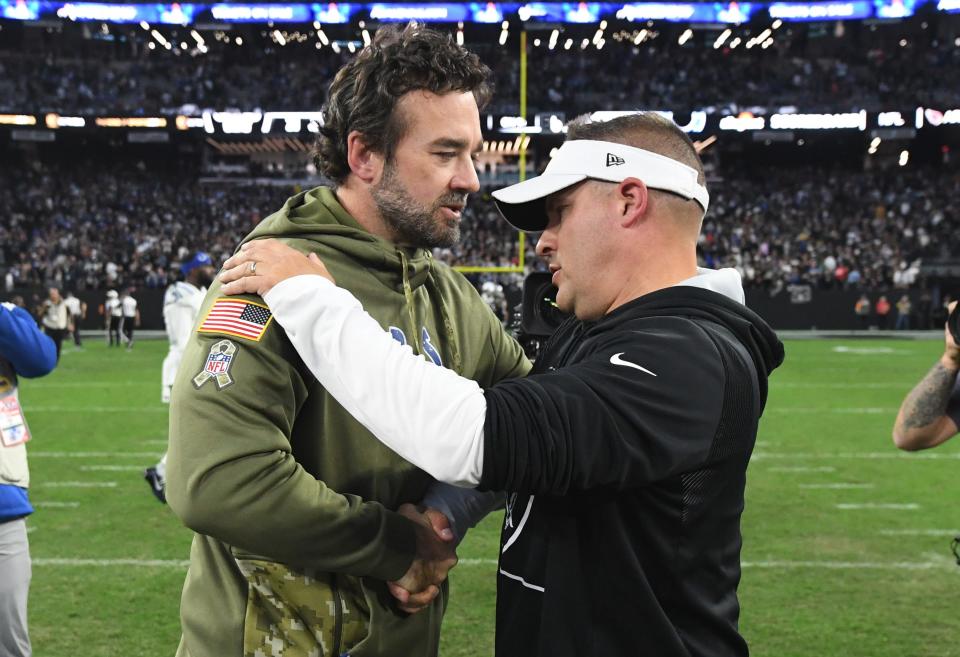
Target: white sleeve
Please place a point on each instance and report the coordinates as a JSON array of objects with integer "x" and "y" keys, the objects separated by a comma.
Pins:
[{"x": 427, "y": 414}]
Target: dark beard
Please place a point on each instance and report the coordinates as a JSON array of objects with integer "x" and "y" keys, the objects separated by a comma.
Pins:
[
  {"x": 412, "y": 223},
  {"x": 203, "y": 279}
]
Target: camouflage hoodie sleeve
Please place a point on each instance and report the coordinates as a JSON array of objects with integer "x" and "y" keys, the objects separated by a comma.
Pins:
[{"x": 231, "y": 471}]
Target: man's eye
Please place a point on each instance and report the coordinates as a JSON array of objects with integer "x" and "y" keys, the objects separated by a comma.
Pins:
[{"x": 447, "y": 155}]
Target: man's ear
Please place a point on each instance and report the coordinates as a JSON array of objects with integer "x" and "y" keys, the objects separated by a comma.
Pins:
[
  {"x": 633, "y": 198},
  {"x": 365, "y": 163}
]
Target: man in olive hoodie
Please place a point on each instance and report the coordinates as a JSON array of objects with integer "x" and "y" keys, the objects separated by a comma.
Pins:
[{"x": 293, "y": 501}]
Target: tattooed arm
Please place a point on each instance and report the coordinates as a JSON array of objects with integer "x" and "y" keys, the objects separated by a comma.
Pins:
[{"x": 922, "y": 421}]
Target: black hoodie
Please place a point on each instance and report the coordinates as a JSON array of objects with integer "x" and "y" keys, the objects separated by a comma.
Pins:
[{"x": 627, "y": 450}]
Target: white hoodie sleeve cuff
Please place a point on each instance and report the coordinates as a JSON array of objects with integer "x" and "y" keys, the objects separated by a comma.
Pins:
[{"x": 427, "y": 414}]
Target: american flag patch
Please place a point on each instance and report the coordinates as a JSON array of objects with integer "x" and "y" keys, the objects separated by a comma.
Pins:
[{"x": 243, "y": 319}]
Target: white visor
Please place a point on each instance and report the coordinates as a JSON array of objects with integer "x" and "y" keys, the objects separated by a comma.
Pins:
[{"x": 580, "y": 159}]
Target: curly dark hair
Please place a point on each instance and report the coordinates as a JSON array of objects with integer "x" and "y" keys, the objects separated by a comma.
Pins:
[{"x": 364, "y": 93}]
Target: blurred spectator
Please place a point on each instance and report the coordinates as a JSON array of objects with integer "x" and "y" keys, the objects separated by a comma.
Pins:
[
  {"x": 904, "y": 306},
  {"x": 862, "y": 310},
  {"x": 883, "y": 311}
]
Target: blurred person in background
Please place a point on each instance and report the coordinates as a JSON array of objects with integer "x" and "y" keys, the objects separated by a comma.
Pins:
[
  {"x": 904, "y": 307},
  {"x": 55, "y": 317},
  {"x": 113, "y": 317},
  {"x": 24, "y": 352},
  {"x": 77, "y": 311},
  {"x": 883, "y": 311},
  {"x": 181, "y": 305},
  {"x": 130, "y": 316},
  {"x": 930, "y": 413}
]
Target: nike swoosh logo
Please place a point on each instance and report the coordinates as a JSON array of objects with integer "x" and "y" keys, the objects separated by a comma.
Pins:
[{"x": 616, "y": 360}]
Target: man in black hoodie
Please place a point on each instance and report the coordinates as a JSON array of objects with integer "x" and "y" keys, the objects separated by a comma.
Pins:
[{"x": 626, "y": 448}]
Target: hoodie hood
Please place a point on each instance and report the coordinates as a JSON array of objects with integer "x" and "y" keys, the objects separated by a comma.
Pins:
[
  {"x": 725, "y": 281},
  {"x": 711, "y": 295},
  {"x": 317, "y": 216}
]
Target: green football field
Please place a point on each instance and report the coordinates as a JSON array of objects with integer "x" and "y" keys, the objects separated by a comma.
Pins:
[{"x": 846, "y": 541}]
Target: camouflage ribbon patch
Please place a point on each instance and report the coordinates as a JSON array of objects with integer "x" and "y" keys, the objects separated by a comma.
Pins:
[{"x": 217, "y": 366}]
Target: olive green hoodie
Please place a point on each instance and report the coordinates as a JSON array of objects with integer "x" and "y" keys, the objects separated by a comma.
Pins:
[{"x": 291, "y": 498}]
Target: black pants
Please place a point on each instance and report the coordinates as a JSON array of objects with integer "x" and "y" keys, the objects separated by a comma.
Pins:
[
  {"x": 115, "y": 330},
  {"x": 127, "y": 328},
  {"x": 57, "y": 336},
  {"x": 76, "y": 332}
]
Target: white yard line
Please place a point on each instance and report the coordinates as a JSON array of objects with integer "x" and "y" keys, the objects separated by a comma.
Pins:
[
  {"x": 946, "y": 564},
  {"x": 93, "y": 455},
  {"x": 913, "y": 456},
  {"x": 920, "y": 532},
  {"x": 844, "y": 386},
  {"x": 77, "y": 484},
  {"x": 824, "y": 468},
  {"x": 149, "y": 563},
  {"x": 837, "y": 486},
  {"x": 88, "y": 384},
  {"x": 867, "y": 410},
  {"x": 111, "y": 468},
  {"x": 96, "y": 409},
  {"x": 55, "y": 505},
  {"x": 878, "y": 506}
]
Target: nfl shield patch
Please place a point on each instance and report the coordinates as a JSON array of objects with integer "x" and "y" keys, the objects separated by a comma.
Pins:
[{"x": 217, "y": 365}]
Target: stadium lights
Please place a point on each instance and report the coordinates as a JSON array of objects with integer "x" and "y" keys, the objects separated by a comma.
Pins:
[
  {"x": 336, "y": 47},
  {"x": 776, "y": 24},
  {"x": 641, "y": 35},
  {"x": 351, "y": 47},
  {"x": 598, "y": 35},
  {"x": 279, "y": 38},
  {"x": 199, "y": 39},
  {"x": 183, "y": 45},
  {"x": 766, "y": 44},
  {"x": 366, "y": 37},
  {"x": 722, "y": 39},
  {"x": 903, "y": 43},
  {"x": 503, "y": 32},
  {"x": 904, "y": 158},
  {"x": 567, "y": 44},
  {"x": 460, "y": 33},
  {"x": 536, "y": 43},
  {"x": 736, "y": 42},
  {"x": 239, "y": 41},
  {"x": 601, "y": 44},
  {"x": 686, "y": 36},
  {"x": 584, "y": 44},
  {"x": 323, "y": 37},
  {"x": 316, "y": 25},
  {"x": 553, "y": 39},
  {"x": 145, "y": 25},
  {"x": 151, "y": 45},
  {"x": 956, "y": 42}
]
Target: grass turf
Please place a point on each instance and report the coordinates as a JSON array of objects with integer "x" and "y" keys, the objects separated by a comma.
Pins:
[{"x": 822, "y": 576}]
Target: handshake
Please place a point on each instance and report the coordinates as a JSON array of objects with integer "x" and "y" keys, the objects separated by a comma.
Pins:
[{"x": 435, "y": 556}]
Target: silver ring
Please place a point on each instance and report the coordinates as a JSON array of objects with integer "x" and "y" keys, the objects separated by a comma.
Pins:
[{"x": 252, "y": 267}]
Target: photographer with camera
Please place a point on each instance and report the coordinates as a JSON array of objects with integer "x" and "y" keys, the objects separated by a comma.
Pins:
[{"x": 930, "y": 414}]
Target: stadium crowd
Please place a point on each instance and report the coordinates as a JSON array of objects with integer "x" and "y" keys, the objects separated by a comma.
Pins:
[
  {"x": 802, "y": 68},
  {"x": 115, "y": 226}
]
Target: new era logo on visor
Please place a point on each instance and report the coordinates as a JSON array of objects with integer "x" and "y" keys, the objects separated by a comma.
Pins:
[{"x": 614, "y": 160}]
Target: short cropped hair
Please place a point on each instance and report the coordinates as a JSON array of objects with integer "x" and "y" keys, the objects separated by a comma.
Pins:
[
  {"x": 647, "y": 130},
  {"x": 364, "y": 94}
]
